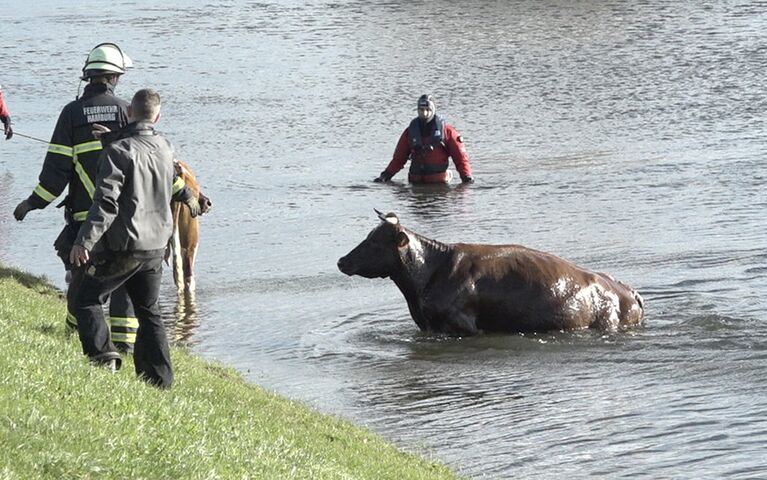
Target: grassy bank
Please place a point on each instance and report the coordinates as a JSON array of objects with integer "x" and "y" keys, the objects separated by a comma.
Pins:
[{"x": 62, "y": 418}]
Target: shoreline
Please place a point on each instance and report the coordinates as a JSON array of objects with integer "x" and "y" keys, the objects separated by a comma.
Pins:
[{"x": 65, "y": 418}]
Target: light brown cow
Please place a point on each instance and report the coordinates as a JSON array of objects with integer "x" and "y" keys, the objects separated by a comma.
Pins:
[
  {"x": 465, "y": 289},
  {"x": 186, "y": 232}
]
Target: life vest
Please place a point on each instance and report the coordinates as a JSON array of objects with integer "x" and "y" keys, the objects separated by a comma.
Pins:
[{"x": 419, "y": 151}]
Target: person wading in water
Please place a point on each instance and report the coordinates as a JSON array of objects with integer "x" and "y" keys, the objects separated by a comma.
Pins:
[{"x": 428, "y": 142}]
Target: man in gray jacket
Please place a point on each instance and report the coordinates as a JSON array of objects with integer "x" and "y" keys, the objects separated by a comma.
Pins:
[{"x": 127, "y": 229}]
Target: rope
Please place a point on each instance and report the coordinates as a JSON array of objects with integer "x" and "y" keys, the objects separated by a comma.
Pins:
[{"x": 30, "y": 137}]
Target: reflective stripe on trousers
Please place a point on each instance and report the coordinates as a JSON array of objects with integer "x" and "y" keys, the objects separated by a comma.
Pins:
[{"x": 123, "y": 329}]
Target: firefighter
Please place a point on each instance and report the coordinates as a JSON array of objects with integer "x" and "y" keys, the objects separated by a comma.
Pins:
[
  {"x": 72, "y": 161},
  {"x": 428, "y": 142},
  {"x": 123, "y": 240},
  {"x": 5, "y": 117}
]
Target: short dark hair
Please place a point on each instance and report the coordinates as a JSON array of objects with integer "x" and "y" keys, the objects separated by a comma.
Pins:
[{"x": 145, "y": 104}]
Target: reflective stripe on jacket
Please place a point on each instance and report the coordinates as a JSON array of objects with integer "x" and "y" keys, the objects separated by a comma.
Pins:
[{"x": 73, "y": 153}]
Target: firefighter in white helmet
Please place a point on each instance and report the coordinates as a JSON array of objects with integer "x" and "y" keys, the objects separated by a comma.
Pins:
[
  {"x": 104, "y": 59},
  {"x": 72, "y": 161}
]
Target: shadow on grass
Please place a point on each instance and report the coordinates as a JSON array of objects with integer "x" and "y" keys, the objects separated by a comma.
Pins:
[
  {"x": 222, "y": 371},
  {"x": 49, "y": 329},
  {"x": 34, "y": 282}
]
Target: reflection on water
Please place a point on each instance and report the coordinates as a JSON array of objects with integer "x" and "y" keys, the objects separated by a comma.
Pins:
[
  {"x": 185, "y": 318},
  {"x": 429, "y": 202},
  {"x": 627, "y": 137}
]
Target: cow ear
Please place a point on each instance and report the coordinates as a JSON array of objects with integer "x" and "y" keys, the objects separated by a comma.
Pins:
[{"x": 402, "y": 239}]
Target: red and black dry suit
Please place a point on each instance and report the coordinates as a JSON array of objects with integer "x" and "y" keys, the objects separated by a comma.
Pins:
[
  {"x": 72, "y": 161},
  {"x": 5, "y": 117},
  {"x": 428, "y": 147},
  {"x": 4, "y": 113}
]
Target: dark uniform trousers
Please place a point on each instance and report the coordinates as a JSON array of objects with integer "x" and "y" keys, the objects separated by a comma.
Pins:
[
  {"x": 122, "y": 318},
  {"x": 141, "y": 277}
]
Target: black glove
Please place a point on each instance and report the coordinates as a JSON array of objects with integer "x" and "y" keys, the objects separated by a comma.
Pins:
[
  {"x": 7, "y": 130},
  {"x": 467, "y": 179},
  {"x": 384, "y": 177},
  {"x": 194, "y": 206},
  {"x": 21, "y": 210}
]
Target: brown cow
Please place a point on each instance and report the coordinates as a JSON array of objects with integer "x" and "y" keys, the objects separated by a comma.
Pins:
[
  {"x": 465, "y": 289},
  {"x": 186, "y": 232}
]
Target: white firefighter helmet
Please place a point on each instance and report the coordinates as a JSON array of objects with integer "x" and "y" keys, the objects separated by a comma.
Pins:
[{"x": 106, "y": 58}]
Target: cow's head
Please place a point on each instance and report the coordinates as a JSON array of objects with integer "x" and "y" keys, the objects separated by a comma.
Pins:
[{"x": 380, "y": 254}]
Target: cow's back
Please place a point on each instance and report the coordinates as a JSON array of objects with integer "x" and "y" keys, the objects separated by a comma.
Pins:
[{"x": 515, "y": 288}]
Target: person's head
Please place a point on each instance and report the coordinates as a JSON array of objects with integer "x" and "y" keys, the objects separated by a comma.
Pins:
[
  {"x": 145, "y": 106},
  {"x": 105, "y": 63},
  {"x": 426, "y": 108}
]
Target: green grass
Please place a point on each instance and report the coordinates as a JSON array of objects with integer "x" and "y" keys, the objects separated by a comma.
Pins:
[{"x": 60, "y": 417}]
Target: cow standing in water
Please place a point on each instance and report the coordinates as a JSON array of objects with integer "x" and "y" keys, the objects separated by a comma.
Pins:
[
  {"x": 186, "y": 232},
  {"x": 464, "y": 289}
]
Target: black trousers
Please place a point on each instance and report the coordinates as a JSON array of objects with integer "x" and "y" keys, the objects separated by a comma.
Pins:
[
  {"x": 122, "y": 318},
  {"x": 141, "y": 278}
]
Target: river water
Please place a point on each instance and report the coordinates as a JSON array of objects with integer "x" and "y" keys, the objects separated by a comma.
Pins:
[{"x": 628, "y": 137}]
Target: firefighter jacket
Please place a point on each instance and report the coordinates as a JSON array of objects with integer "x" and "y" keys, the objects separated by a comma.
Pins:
[
  {"x": 135, "y": 184},
  {"x": 73, "y": 152},
  {"x": 429, "y": 157}
]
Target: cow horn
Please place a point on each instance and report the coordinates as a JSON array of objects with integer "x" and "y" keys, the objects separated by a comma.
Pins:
[{"x": 390, "y": 217}]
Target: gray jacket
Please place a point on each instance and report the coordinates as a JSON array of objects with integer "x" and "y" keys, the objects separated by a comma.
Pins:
[{"x": 134, "y": 186}]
